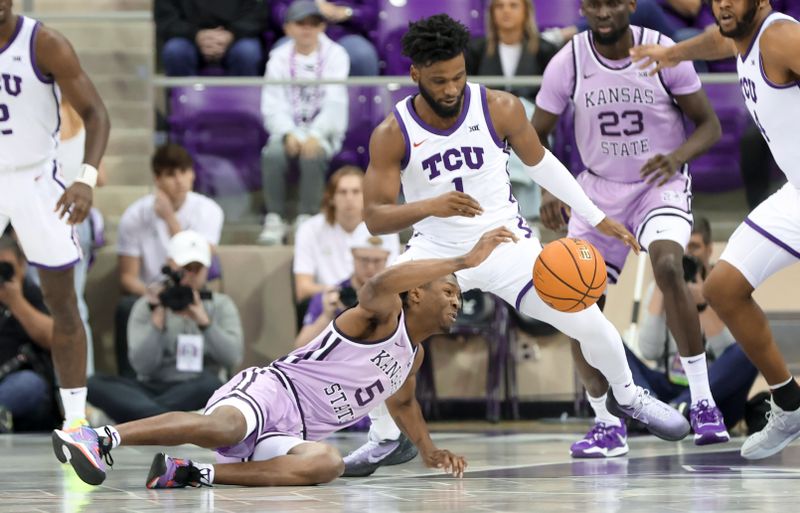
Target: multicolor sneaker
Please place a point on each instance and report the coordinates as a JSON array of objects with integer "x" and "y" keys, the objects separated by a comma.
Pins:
[
  {"x": 85, "y": 450},
  {"x": 707, "y": 424},
  {"x": 169, "y": 472},
  {"x": 661, "y": 420},
  {"x": 366, "y": 459},
  {"x": 781, "y": 429},
  {"x": 602, "y": 441}
]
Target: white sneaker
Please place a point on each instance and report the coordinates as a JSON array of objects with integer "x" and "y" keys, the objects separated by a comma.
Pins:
[
  {"x": 781, "y": 429},
  {"x": 274, "y": 230}
]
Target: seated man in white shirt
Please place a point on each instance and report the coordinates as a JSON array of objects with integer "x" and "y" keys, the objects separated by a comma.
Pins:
[
  {"x": 307, "y": 123},
  {"x": 149, "y": 223}
]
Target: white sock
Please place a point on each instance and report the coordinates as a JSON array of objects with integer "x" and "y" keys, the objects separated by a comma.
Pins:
[
  {"x": 696, "y": 371},
  {"x": 206, "y": 472},
  {"x": 74, "y": 401},
  {"x": 115, "y": 439},
  {"x": 383, "y": 426},
  {"x": 624, "y": 393},
  {"x": 601, "y": 413}
]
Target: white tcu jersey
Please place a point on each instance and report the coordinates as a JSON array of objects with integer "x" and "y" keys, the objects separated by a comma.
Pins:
[
  {"x": 29, "y": 102},
  {"x": 468, "y": 157},
  {"x": 774, "y": 108}
]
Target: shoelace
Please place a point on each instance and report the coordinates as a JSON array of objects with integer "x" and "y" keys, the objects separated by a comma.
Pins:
[
  {"x": 363, "y": 449},
  {"x": 104, "y": 444},
  {"x": 192, "y": 476},
  {"x": 599, "y": 431},
  {"x": 705, "y": 413},
  {"x": 643, "y": 402}
]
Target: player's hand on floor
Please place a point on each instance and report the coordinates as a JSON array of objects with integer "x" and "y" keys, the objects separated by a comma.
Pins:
[
  {"x": 455, "y": 203},
  {"x": 75, "y": 203},
  {"x": 487, "y": 243},
  {"x": 447, "y": 461},
  {"x": 613, "y": 229},
  {"x": 554, "y": 213},
  {"x": 660, "y": 168},
  {"x": 653, "y": 58}
]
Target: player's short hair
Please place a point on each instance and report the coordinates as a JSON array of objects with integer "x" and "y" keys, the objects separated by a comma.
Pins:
[
  {"x": 327, "y": 207},
  {"x": 9, "y": 243},
  {"x": 170, "y": 157},
  {"x": 703, "y": 227},
  {"x": 434, "y": 39}
]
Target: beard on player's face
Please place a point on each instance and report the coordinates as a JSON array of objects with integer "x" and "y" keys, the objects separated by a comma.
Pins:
[
  {"x": 610, "y": 38},
  {"x": 743, "y": 26},
  {"x": 443, "y": 110}
]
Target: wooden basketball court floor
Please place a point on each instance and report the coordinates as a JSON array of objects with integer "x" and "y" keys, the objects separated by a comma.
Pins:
[{"x": 517, "y": 472}]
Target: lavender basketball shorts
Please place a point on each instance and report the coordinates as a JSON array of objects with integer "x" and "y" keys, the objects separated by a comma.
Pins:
[
  {"x": 648, "y": 211},
  {"x": 272, "y": 403}
]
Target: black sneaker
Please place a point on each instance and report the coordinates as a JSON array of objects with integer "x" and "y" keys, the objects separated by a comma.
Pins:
[{"x": 365, "y": 460}]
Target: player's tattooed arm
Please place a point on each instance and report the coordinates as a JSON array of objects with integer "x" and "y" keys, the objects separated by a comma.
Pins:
[
  {"x": 382, "y": 214},
  {"x": 407, "y": 414},
  {"x": 780, "y": 52}
]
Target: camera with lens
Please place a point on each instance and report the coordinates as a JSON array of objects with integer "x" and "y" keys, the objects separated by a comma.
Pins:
[
  {"x": 175, "y": 296},
  {"x": 690, "y": 267},
  {"x": 6, "y": 272},
  {"x": 348, "y": 296}
]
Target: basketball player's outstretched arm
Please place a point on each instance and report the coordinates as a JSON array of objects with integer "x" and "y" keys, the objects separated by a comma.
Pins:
[
  {"x": 382, "y": 187},
  {"x": 511, "y": 123},
  {"x": 711, "y": 45},
  {"x": 56, "y": 57},
  {"x": 407, "y": 414}
]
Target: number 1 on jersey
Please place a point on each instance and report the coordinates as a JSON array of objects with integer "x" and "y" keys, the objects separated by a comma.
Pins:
[
  {"x": 459, "y": 184},
  {"x": 4, "y": 116}
]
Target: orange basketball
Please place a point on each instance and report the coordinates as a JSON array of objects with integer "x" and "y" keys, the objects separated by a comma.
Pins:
[{"x": 569, "y": 275}]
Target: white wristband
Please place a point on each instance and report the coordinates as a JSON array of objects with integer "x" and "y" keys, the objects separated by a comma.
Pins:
[{"x": 88, "y": 175}]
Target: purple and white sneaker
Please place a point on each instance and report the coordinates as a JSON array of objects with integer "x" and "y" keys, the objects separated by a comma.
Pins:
[
  {"x": 88, "y": 453},
  {"x": 708, "y": 424},
  {"x": 602, "y": 441},
  {"x": 661, "y": 420},
  {"x": 169, "y": 472}
]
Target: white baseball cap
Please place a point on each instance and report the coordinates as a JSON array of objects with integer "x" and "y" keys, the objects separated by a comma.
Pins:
[
  {"x": 362, "y": 239},
  {"x": 189, "y": 246}
]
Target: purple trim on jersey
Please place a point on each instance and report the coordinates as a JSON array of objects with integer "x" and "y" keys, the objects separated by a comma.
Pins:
[
  {"x": 770, "y": 82},
  {"x": 485, "y": 104},
  {"x": 57, "y": 267},
  {"x": 524, "y": 227},
  {"x": 771, "y": 237},
  {"x": 55, "y": 176},
  {"x": 574, "y": 70},
  {"x": 369, "y": 342},
  {"x": 326, "y": 352},
  {"x": 289, "y": 386},
  {"x": 407, "y": 154},
  {"x": 522, "y": 293},
  {"x": 755, "y": 36},
  {"x": 456, "y": 125},
  {"x": 58, "y": 112},
  {"x": 615, "y": 181},
  {"x": 41, "y": 76},
  {"x": 14, "y": 35},
  {"x": 256, "y": 411}
]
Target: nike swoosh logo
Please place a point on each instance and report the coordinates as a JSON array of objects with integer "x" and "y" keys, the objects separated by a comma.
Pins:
[
  {"x": 694, "y": 361},
  {"x": 661, "y": 231},
  {"x": 420, "y": 143},
  {"x": 629, "y": 384},
  {"x": 590, "y": 75}
]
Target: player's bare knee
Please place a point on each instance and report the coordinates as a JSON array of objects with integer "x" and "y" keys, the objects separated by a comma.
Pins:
[
  {"x": 227, "y": 425},
  {"x": 327, "y": 464},
  {"x": 668, "y": 271}
]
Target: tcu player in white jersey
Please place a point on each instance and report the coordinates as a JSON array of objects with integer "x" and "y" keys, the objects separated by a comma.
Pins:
[
  {"x": 448, "y": 146},
  {"x": 767, "y": 49},
  {"x": 37, "y": 66},
  {"x": 267, "y": 423}
]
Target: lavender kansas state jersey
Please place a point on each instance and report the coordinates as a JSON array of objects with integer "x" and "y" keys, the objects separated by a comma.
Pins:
[
  {"x": 774, "y": 108},
  {"x": 623, "y": 117},
  {"x": 337, "y": 381},
  {"x": 29, "y": 101},
  {"x": 468, "y": 157}
]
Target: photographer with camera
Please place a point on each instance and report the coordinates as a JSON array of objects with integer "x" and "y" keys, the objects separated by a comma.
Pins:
[
  {"x": 27, "y": 381},
  {"x": 730, "y": 373},
  {"x": 370, "y": 254},
  {"x": 180, "y": 337}
]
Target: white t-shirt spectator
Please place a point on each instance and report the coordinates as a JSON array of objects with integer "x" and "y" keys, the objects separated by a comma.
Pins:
[
  {"x": 323, "y": 251},
  {"x": 145, "y": 235}
]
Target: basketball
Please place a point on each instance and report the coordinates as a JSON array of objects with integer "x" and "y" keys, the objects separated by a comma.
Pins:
[{"x": 569, "y": 275}]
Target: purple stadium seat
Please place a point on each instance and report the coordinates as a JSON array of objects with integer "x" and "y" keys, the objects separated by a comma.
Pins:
[
  {"x": 556, "y": 13},
  {"x": 393, "y": 22},
  {"x": 718, "y": 169},
  {"x": 368, "y": 107},
  {"x": 223, "y": 130}
]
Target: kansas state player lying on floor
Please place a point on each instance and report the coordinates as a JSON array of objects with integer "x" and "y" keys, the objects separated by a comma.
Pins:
[{"x": 266, "y": 422}]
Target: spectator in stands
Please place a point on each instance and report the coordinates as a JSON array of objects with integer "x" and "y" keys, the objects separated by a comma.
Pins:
[
  {"x": 148, "y": 224},
  {"x": 730, "y": 374},
  {"x": 370, "y": 254},
  {"x": 512, "y": 47},
  {"x": 205, "y": 32},
  {"x": 322, "y": 256},
  {"x": 348, "y": 23},
  {"x": 306, "y": 123},
  {"x": 27, "y": 382},
  {"x": 180, "y": 340}
]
